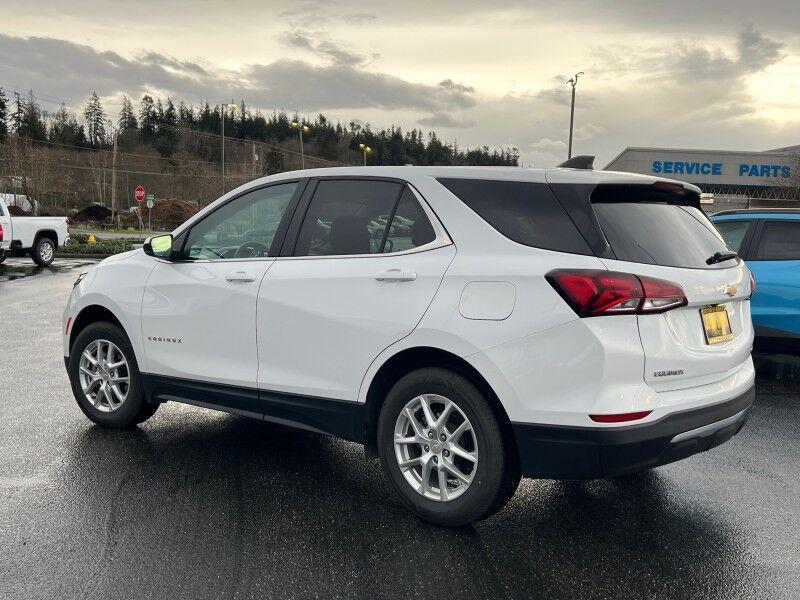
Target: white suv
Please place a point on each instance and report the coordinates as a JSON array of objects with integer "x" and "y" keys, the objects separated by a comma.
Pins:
[{"x": 468, "y": 325}]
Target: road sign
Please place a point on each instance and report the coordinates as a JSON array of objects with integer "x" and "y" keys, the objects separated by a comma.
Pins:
[
  {"x": 151, "y": 196},
  {"x": 149, "y": 202},
  {"x": 138, "y": 193}
]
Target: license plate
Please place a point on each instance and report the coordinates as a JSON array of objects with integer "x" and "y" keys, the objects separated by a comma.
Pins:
[{"x": 716, "y": 324}]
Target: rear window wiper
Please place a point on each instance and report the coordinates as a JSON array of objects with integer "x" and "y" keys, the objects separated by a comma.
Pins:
[{"x": 719, "y": 257}]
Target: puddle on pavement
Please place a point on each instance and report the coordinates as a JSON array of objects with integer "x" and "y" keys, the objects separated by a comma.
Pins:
[{"x": 19, "y": 268}]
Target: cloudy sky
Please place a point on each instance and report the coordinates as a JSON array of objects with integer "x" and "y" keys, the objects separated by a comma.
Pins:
[{"x": 683, "y": 73}]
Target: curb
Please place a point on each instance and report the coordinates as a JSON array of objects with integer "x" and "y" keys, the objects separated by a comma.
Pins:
[{"x": 75, "y": 255}]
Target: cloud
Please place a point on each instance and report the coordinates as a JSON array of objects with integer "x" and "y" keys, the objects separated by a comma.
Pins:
[
  {"x": 548, "y": 145},
  {"x": 320, "y": 45},
  {"x": 71, "y": 71},
  {"x": 445, "y": 120},
  {"x": 317, "y": 87},
  {"x": 692, "y": 62},
  {"x": 154, "y": 58},
  {"x": 451, "y": 85}
]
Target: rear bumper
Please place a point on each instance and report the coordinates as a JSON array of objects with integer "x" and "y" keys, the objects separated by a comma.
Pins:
[{"x": 565, "y": 452}]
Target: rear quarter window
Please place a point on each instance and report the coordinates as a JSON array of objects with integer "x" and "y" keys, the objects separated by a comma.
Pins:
[
  {"x": 527, "y": 213},
  {"x": 780, "y": 240}
]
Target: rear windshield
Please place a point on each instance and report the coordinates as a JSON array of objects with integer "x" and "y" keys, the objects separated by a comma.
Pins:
[
  {"x": 660, "y": 233},
  {"x": 527, "y": 213}
]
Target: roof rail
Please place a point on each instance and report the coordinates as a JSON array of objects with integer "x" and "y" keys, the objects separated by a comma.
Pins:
[{"x": 578, "y": 162}]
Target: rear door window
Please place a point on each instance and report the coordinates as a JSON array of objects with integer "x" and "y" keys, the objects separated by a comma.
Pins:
[
  {"x": 527, "y": 213},
  {"x": 656, "y": 232},
  {"x": 780, "y": 240},
  {"x": 733, "y": 233},
  {"x": 347, "y": 217}
]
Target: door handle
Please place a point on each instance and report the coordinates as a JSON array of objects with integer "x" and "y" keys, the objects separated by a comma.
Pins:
[
  {"x": 240, "y": 276},
  {"x": 396, "y": 275}
]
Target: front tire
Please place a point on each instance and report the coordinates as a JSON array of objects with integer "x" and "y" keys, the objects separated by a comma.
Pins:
[
  {"x": 105, "y": 377},
  {"x": 443, "y": 450},
  {"x": 44, "y": 252}
]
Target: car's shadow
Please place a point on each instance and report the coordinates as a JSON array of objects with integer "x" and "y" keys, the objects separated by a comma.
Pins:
[{"x": 196, "y": 504}]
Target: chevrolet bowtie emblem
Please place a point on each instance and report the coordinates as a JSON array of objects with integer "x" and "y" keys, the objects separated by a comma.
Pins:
[{"x": 731, "y": 290}]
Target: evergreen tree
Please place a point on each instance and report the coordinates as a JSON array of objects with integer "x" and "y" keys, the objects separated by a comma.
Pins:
[
  {"x": 167, "y": 133},
  {"x": 185, "y": 116},
  {"x": 95, "y": 122},
  {"x": 16, "y": 115},
  {"x": 127, "y": 118},
  {"x": 27, "y": 121},
  {"x": 65, "y": 129},
  {"x": 3, "y": 114},
  {"x": 147, "y": 119}
]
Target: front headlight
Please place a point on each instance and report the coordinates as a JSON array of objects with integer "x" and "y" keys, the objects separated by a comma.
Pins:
[{"x": 80, "y": 278}]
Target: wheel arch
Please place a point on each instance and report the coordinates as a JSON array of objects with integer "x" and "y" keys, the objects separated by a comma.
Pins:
[
  {"x": 45, "y": 233},
  {"x": 93, "y": 313},
  {"x": 417, "y": 357}
]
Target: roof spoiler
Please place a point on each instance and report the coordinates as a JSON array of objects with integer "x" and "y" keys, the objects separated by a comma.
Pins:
[{"x": 578, "y": 162}]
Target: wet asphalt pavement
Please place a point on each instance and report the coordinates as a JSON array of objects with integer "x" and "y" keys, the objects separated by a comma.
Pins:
[{"x": 198, "y": 504}]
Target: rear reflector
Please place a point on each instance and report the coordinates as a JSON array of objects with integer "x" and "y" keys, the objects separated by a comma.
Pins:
[
  {"x": 620, "y": 417},
  {"x": 752, "y": 279},
  {"x": 66, "y": 329},
  {"x": 591, "y": 293}
]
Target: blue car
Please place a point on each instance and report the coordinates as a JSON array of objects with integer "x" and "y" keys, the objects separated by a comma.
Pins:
[{"x": 769, "y": 241}]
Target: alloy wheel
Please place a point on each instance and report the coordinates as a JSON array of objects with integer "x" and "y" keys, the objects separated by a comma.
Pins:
[
  {"x": 435, "y": 447},
  {"x": 104, "y": 375},
  {"x": 46, "y": 252}
]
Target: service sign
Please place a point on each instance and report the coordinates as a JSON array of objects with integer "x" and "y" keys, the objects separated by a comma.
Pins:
[{"x": 761, "y": 169}]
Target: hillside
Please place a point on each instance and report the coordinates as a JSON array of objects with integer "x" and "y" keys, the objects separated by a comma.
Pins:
[{"x": 66, "y": 162}]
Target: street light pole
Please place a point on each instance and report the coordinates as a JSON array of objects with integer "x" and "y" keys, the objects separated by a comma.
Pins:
[
  {"x": 573, "y": 82},
  {"x": 366, "y": 150},
  {"x": 301, "y": 130}
]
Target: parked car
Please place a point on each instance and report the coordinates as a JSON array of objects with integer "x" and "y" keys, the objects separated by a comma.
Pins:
[
  {"x": 467, "y": 325},
  {"x": 38, "y": 237},
  {"x": 769, "y": 240}
]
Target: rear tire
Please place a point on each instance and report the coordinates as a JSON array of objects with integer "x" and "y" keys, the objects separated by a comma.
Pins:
[
  {"x": 44, "y": 252},
  {"x": 487, "y": 484},
  {"x": 95, "y": 343},
  {"x": 2, "y": 256}
]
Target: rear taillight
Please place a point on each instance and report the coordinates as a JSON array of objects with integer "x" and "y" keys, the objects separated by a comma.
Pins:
[
  {"x": 591, "y": 293},
  {"x": 752, "y": 279},
  {"x": 1, "y": 233}
]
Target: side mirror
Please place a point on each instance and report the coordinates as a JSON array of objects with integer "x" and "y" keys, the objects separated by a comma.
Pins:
[{"x": 159, "y": 246}]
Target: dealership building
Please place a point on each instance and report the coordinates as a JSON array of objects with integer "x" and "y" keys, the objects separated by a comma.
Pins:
[{"x": 729, "y": 179}]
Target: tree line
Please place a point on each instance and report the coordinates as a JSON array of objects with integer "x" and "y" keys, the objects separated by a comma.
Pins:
[{"x": 157, "y": 123}]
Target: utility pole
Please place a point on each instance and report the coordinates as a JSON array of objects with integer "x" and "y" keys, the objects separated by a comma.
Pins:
[
  {"x": 573, "y": 82},
  {"x": 114, "y": 207},
  {"x": 223, "y": 109}
]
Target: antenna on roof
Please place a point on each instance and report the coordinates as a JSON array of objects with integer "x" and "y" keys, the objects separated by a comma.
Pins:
[{"x": 578, "y": 162}]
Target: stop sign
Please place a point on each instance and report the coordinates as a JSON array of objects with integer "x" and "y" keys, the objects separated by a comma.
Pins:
[{"x": 138, "y": 193}]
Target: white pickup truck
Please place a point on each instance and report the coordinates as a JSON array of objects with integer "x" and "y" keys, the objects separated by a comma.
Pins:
[{"x": 37, "y": 237}]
